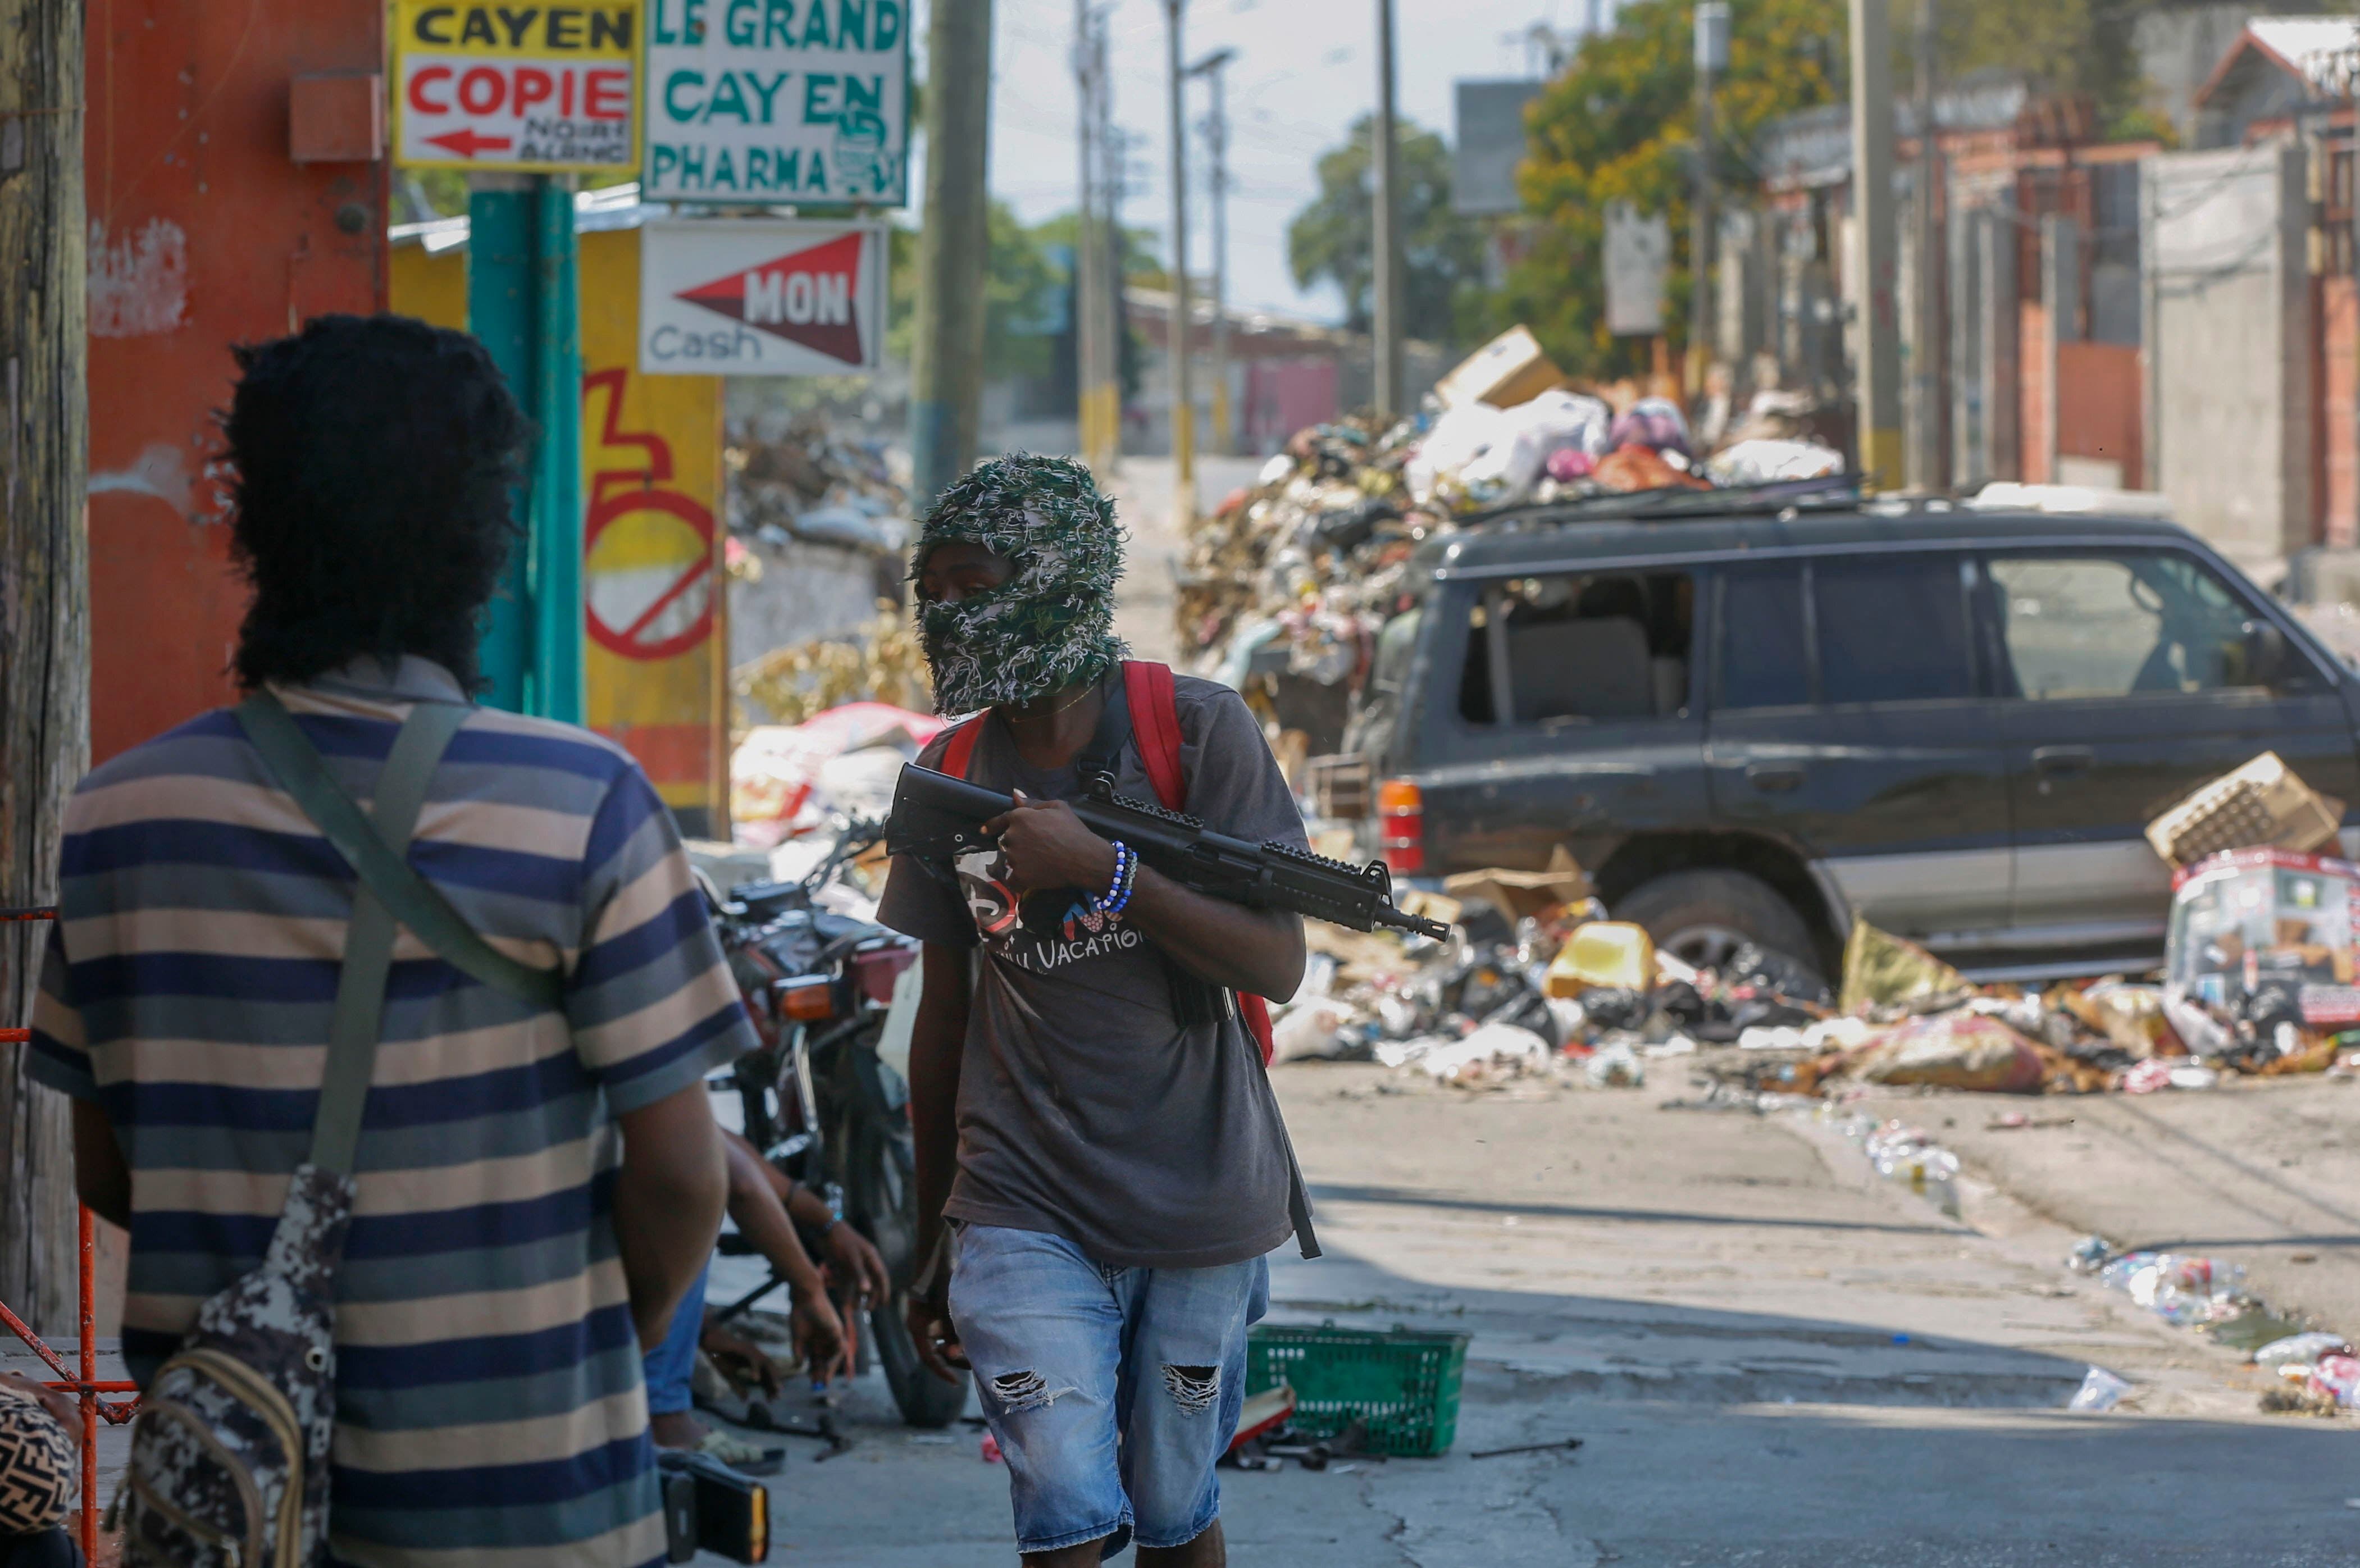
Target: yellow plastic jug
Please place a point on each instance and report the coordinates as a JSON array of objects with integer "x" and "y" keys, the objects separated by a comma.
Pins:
[{"x": 1603, "y": 952}]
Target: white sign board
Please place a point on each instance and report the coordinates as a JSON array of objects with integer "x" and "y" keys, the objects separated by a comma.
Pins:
[
  {"x": 718, "y": 297},
  {"x": 1638, "y": 258},
  {"x": 778, "y": 101},
  {"x": 551, "y": 89}
]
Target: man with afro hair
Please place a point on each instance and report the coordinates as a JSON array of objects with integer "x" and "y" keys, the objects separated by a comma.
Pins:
[{"x": 537, "y": 1186}]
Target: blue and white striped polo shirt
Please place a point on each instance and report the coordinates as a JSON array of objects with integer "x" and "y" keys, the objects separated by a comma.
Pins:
[{"x": 489, "y": 1408}]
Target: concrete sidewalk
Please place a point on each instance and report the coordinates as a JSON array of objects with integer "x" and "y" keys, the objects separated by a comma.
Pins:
[{"x": 2260, "y": 1172}]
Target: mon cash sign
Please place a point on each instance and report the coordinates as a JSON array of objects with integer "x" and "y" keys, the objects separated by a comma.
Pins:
[
  {"x": 549, "y": 88},
  {"x": 778, "y": 101},
  {"x": 720, "y": 297}
]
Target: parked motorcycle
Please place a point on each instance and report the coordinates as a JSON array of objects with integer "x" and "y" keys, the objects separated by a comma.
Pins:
[{"x": 819, "y": 1101}]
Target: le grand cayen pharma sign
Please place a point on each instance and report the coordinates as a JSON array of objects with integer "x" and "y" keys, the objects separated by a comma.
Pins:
[{"x": 777, "y": 101}]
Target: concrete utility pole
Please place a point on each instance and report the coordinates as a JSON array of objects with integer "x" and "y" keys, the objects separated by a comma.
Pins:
[
  {"x": 1116, "y": 180},
  {"x": 1384, "y": 157},
  {"x": 946, "y": 375},
  {"x": 1879, "y": 369},
  {"x": 1712, "y": 57},
  {"x": 1217, "y": 141},
  {"x": 44, "y": 609},
  {"x": 1089, "y": 276},
  {"x": 1183, "y": 323},
  {"x": 1929, "y": 364}
]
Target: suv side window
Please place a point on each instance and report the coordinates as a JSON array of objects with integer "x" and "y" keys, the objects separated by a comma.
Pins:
[
  {"x": 1765, "y": 653},
  {"x": 1892, "y": 628},
  {"x": 1604, "y": 647},
  {"x": 2121, "y": 624}
]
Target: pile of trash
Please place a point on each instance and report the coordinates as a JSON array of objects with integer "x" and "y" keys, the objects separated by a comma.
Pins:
[
  {"x": 789, "y": 780},
  {"x": 801, "y": 481},
  {"x": 2259, "y": 980},
  {"x": 1292, "y": 577},
  {"x": 878, "y": 662},
  {"x": 2318, "y": 1370}
]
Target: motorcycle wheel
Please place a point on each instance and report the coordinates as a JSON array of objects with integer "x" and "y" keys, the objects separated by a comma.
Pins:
[{"x": 878, "y": 1198}]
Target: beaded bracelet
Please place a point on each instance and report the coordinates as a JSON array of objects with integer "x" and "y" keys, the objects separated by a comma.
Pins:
[
  {"x": 1125, "y": 876},
  {"x": 1118, "y": 891}
]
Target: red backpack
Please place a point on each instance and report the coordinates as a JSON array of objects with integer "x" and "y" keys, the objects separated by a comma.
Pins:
[{"x": 1156, "y": 725}]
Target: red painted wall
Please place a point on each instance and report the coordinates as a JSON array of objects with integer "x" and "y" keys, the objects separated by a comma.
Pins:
[
  {"x": 2032, "y": 394},
  {"x": 202, "y": 234},
  {"x": 2337, "y": 483},
  {"x": 2100, "y": 395}
]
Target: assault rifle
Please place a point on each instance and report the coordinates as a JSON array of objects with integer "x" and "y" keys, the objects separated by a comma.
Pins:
[{"x": 936, "y": 817}]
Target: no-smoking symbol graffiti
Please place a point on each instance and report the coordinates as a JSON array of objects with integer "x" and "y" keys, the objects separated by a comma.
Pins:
[{"x": 646, "y": 551}]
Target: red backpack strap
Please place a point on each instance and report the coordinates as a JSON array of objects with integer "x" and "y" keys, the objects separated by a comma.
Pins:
[
  {"x": 1155, "y": 724},
  {"x": 961, "y": 749},
  {"x": 1256, "y": 1013}
]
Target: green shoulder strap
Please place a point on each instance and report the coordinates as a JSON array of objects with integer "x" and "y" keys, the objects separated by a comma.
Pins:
[{"x": 389, "y": 892}]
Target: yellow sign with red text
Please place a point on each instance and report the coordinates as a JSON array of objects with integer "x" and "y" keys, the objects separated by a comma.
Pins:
[
  {"x": 654, "y": 660},
  {"x": 550, "y": 89}
]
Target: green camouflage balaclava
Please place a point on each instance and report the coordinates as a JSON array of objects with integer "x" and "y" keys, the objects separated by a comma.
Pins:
[{"x": 1052, "y": 623}]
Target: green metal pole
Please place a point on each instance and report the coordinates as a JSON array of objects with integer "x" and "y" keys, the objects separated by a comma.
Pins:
[
  {"x": 499, "y": 312},
  {"x": 557, "y": 482},
  {"x": 523, "y": 303}
]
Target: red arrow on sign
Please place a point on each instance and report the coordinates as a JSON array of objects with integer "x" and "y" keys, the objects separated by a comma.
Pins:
[
  {"x": 810, "y": 297},
  {"x": 466, "y": 142}
]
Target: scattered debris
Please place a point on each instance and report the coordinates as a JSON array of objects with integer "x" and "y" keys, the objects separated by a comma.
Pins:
[
  {"x": 800, "y": 480},
  {"x": 1562, "y": 1445},
  {"x": 880, "y": 662},
  {"x": 2101, "y": 1391},
  {"x": 1286, "y": 587}
]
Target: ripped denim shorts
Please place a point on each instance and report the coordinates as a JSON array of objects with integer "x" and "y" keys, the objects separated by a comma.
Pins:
[{"x": 1111, "y": 1390}]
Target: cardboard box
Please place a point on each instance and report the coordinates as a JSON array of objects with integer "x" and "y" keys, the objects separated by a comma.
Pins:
[
  {"x": 2262, "y": 805},
  {"x": 1517, "y": 894},
  {"x": 1509, "y": 370}
]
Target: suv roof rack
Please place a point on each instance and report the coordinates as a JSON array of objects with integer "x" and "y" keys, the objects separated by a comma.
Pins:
[{"x": 1833, "y": 492}]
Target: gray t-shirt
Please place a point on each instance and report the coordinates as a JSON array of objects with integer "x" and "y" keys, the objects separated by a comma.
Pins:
[{"x": 1086, "y": 1107}]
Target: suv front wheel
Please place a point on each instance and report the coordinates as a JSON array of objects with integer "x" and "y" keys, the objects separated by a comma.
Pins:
[{"x": 1702, "y": 918}]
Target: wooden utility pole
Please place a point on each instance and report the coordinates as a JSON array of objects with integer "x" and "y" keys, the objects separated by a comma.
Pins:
[
  {"x": 946, "y": 375},
  {"x": 1878, "y": 373},
  {"x": 1089, "y": 265},
  {"x": 1929, "y": 369},
  {"x": 44, "y": 606},
  {"x": 1217, "y": 144},
  {"x": 1385, "y": 158},
  {"x": 1712, "y": 57},
  {"x": 1180, "y": 338}
]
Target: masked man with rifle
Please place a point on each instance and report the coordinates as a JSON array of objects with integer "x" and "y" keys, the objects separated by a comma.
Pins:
[{"x": 1100, "y": 1162}]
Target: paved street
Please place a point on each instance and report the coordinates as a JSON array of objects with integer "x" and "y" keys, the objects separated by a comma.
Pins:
[{"x": 1773, "y": 1358}]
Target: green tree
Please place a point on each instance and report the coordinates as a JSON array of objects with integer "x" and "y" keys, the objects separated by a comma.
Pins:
[
  {"x": 1016, "y": 281},
  {"x": 1619, "y": 125},
  {"x": 1334, "y": 237}
]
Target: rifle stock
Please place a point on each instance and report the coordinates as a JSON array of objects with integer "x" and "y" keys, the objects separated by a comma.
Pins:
[{"x": 936, "y": 817}]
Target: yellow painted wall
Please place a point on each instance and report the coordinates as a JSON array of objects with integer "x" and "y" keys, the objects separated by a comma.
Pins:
[{"x": 651, "y": 494}]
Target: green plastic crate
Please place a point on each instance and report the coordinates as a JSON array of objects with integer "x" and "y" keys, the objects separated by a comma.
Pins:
[{"x": 1402, "y": 1385}]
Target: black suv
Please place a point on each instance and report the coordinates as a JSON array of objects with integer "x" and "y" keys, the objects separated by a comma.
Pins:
[{"x": 1954, "y": 723}]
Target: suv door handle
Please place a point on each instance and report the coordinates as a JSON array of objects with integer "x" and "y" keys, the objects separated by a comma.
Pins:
[
  {"x": 2049, "y": 761},
  {"x": 1775, "y": 777}
]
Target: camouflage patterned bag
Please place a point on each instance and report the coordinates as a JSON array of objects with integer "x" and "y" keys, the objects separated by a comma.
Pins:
[{"x": 229, "y": 1454}]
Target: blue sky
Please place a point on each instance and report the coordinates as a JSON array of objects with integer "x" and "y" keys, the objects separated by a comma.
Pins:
[{"x": 1306, "y": 70}]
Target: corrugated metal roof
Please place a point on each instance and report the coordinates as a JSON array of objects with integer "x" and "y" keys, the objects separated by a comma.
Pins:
[{"x": 614, "y": 207}]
